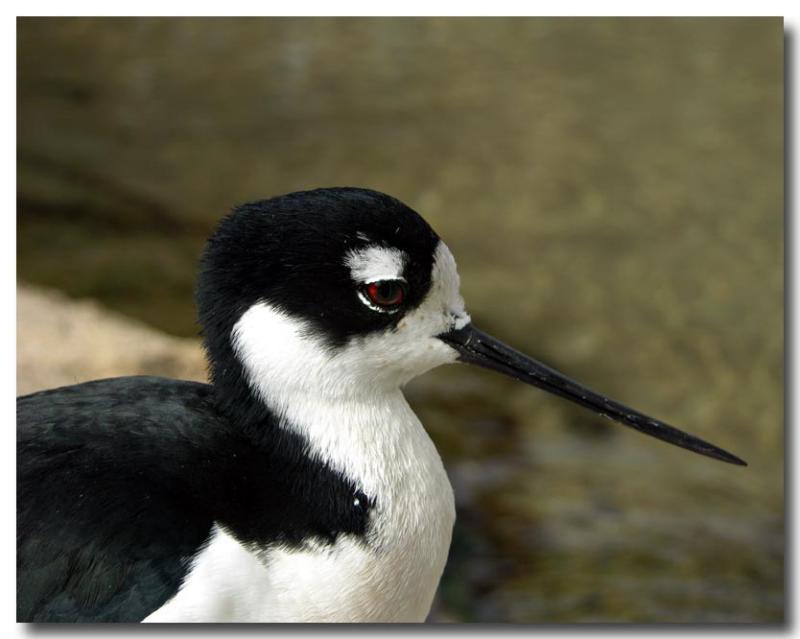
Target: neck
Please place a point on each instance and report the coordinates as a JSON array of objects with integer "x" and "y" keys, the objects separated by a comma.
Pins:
[
  {"x": 371, "y": 437},
  {"x": 382, "y": 448},
  {"x": 345, "y": 402},
  {"x": 366, "y": 438}
]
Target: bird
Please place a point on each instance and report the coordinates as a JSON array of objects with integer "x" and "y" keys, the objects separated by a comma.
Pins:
[{"x": 298, "y": 484}]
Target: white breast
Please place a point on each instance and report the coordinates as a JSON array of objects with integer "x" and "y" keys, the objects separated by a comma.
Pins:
[{"x": 390, "y": 576}]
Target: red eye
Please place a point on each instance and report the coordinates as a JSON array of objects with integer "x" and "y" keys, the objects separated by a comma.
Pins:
[{"x": 386, "y": 293}]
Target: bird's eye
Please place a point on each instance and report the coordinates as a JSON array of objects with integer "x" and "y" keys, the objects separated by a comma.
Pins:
[{"x": 385, "y": 295}]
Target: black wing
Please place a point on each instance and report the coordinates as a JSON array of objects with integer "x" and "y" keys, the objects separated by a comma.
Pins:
[{"x": 109, "y": 497}]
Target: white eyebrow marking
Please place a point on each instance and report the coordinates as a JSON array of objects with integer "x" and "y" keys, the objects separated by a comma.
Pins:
[{"x": 375, "y": 263}]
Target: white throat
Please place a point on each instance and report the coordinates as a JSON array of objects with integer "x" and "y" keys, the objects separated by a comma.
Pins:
[{"x": 347, "y": 401}]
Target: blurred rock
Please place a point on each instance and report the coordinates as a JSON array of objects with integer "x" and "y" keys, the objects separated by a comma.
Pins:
[{"x": 61, "y": 341}]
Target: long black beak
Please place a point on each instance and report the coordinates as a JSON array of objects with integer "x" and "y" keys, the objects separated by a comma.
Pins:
[{"x": 476, "y": 347}]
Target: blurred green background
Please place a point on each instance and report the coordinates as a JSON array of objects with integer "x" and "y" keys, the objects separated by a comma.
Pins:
[{"x": 613, "y": 192}]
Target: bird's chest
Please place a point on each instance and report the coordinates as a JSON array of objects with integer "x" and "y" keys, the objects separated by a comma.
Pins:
[
  {"x": 392, "y": 570},
  {"x": 360, "y": 533},
  {"x": 390, "y": 574}
]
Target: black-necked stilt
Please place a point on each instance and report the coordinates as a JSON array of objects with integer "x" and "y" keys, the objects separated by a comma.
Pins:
[{"x": 299, "y": 485}]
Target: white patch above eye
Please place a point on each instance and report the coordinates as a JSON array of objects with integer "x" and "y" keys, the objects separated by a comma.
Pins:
[
  {"x": 286, "y": 362},
  {"x": 375, "y": 263}
]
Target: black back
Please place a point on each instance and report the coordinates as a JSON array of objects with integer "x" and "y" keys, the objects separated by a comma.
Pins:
[
  {"x": 119, "y": 482},
  {"x": 99, "y": 538}
]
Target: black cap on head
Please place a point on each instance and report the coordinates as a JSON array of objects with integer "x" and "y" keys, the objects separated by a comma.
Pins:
[{"x": 290, "y": 251}]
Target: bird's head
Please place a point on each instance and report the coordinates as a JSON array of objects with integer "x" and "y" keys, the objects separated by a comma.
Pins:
[
  {"x": 337, "y": 292},
  {"x": 346, "y": 294}
]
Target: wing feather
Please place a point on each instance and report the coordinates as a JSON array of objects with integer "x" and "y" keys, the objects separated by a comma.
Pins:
[{"x": 109, "y": 512}]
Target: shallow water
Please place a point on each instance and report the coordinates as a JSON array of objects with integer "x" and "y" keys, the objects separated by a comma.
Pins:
[{"x": 612, "y": 190}]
